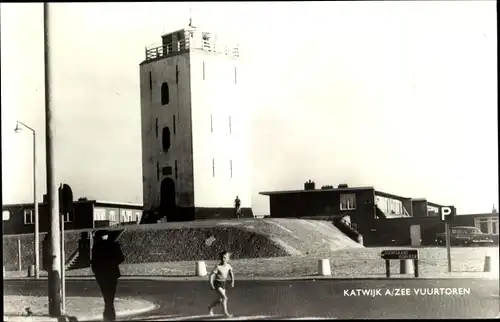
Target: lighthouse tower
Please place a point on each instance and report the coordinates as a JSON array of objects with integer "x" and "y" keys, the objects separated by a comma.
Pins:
[{"x": 195, "y": 149}]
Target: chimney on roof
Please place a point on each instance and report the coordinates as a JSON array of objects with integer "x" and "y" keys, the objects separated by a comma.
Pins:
[{"x": 309, "y": 185}]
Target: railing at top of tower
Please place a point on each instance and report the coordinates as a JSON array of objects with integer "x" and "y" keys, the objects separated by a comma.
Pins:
[{"x": 185, "y": 44}]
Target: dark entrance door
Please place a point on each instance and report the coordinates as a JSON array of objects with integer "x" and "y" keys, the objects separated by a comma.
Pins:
[{"x": 167, "y": 199}]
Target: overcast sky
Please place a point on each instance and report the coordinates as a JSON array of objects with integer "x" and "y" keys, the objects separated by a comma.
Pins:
[{"x": 398, "y": 95}]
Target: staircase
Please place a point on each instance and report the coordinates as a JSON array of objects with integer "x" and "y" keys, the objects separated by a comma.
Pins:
[
  {"x": 70, "y": 263},
  {"x": 346, "y": 227}
]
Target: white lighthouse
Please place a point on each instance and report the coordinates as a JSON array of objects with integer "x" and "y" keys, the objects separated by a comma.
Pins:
[{"x": 195, "y": 149}]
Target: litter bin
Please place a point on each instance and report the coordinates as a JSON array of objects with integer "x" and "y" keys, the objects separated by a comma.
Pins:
[{"x": 31, "y": 271}]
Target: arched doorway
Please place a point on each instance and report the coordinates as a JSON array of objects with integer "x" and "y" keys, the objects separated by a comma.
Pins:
[{"x": 167, "y": 198}]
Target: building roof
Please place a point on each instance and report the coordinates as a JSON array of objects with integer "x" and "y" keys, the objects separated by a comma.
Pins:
[
  {"x": 389, "y": 195},
  {"x": 284, "y": 192},
  {"x": 487, "y": 214},
  {"x": 97, "y": 202}
]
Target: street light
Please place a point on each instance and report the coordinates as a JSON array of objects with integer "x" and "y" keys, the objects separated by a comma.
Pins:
[{"x": 19, "y": 129}]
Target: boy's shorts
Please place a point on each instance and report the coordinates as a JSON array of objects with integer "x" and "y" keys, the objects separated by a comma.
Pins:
[{"x": 220, "y": 284}]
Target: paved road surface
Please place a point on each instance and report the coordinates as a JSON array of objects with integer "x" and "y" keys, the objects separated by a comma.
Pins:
[{"x": 183, "y": 300}]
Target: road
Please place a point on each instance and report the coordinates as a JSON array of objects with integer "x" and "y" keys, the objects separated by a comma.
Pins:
[{"x": 183, "y": 300}]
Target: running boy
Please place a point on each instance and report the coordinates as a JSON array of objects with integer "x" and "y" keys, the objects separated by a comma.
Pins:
[{"x": 218, "y": 279}]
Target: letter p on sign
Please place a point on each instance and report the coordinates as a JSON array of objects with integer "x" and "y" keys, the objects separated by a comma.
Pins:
[{"x": 447, "y": 213}]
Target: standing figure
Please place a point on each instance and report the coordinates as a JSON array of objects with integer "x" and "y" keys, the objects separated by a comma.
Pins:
[
  {"x": 218, "y": 279},
  {"x": 106, "y": 258},
  {"x": 237, "y": 207}
]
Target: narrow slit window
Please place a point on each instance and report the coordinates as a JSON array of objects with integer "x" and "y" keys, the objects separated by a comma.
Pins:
[
  {"x": 177, "y": 74},
  {"x": 231, "y": 167},
  {"x": 157, "y": 171},
  {"x": 173, "y": 121},
  {"x": 213, "y": 168},
  {"x": 203, "y": 67},
  {"x": 175, "y": 169},
  {"x": 211, "y": 123},
  {"x": 156, "y": 128},
  {"x": 150, "y": 82},
  {"x": 230, "y": 129},
  {"x": 165, "y": 94}
]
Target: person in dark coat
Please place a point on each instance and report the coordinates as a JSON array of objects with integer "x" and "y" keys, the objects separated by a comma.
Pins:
[{"x": 106, "y": 258}]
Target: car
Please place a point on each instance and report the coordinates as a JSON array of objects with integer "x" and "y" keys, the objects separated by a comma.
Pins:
[{"x": 465, "y": 236}]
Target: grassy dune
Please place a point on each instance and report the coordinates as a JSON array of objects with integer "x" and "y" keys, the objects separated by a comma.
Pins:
[{"x": 204, "y": 240}]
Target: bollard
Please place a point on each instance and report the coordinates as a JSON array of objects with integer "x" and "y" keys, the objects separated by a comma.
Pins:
[
  {"x": 406, "y": 266},
  {"x": 324, "y": 268},
  {"x": 487, "y": 264},
  {"x": 31, "y": 271},
  {"x": 201, "y": 268}
]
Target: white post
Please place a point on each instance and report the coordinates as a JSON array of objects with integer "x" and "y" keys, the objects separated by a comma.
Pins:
[{"x": 63, "y": 269}]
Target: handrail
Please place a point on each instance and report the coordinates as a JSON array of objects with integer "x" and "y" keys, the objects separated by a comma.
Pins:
[{"x": 186, "y": 44}]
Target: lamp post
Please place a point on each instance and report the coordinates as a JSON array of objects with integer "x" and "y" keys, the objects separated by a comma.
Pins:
[{"x": 35, "y": 203}]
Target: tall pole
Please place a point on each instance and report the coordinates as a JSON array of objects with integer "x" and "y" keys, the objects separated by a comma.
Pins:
[
  {"x": 448, "y": 246},
  {"x": 52, "y": 189},
  {"x": 37, "y": 219}
]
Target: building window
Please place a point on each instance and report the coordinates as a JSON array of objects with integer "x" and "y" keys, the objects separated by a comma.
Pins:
[
  {"x": 177, "y": 74},
  {"x": 165, "y": 94},
  {"x": 231, "y": 167},
  {"x": 156, "y": 128},
  {"x": 487, "y": 225},
  {"x": 157, "y": 171},
  {"x": 175, "y": 166},
  {"x": 348, "y": 201},
  {"x": 213, "y": 168},
  {"x": 165, "y": 139},
  {"x": 150, "y": 83},
  {"x": 28, "y": 217},
  {"x": 137, "y": 217},
  {"x": 230, "y": 129},
  {"x": 5, "y": 215},
  {"x": 235, "y": 77},
  {"x": 167, "y": 171},
  {"x": 69, "y": 217},
  {"x": 203, "y": 67},
  {"x": 112, "y": 215},
  {"x": 211, "y": 123},
  {"x": 173, "y": 121}
]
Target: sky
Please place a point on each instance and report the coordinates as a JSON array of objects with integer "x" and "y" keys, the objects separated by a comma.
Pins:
[{"x": 397, "y": 95}]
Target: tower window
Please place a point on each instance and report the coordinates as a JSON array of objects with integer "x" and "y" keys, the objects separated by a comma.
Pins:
[
  {"x": 213, "y": 168},
  {"x": 165, "y": 95},
  {"x": 235, "y": 76},
  {"x": 165, "y": 138},
  {"x": 176, "y": 169},
  {"x": 231, "y": 167},
  {"x": 203, "y": 70},
  {"x": 167, "y": 171},
  {"x": 177, "y": 74},
  {"x": 230, "y": 130},
  {"x": 156, "y": 127},
  {"x": 157, "y": 171},
  {"x": 150, "y": 86},
  {"x": 173, "y": 121}
]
